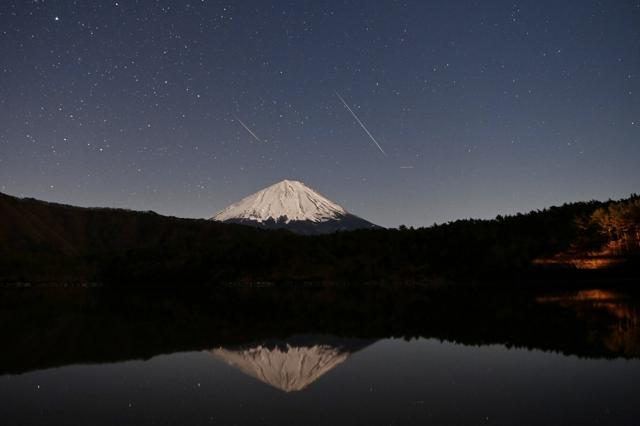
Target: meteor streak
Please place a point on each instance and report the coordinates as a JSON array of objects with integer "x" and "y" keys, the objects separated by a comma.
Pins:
[
  {"x": 247, "y": 128},
  {"x": 361, "y": 123}
]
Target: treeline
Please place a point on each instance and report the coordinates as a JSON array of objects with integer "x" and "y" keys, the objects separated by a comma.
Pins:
[
  {"x": 615, "y": 226},
  {"x": 43, "y": 242}
]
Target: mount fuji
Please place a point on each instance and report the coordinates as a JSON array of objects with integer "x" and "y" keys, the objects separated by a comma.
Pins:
[{"x": 292, "y": 205}]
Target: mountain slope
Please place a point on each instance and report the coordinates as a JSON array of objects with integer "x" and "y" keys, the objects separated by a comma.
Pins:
[
  {"x": 41, "y": 241},
  {"x": 291, "y": 205}
]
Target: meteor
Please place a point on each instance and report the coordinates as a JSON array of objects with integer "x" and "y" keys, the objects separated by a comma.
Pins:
[
  {"x": 247, "y": 128},
  {"x": 361, "y": 123}
]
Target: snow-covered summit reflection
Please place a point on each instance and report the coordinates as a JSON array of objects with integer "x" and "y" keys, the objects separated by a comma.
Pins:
[{"x": 293, "y": 364}]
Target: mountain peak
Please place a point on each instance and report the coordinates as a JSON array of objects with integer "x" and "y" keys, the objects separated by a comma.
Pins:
[{"x": 285, "y": 201}]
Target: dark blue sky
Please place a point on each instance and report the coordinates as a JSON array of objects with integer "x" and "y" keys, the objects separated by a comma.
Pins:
[{"x": 482, "y": 107}]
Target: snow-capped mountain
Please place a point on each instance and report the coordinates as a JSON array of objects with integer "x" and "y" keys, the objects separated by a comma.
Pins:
[{"x": 292, "y": 205}]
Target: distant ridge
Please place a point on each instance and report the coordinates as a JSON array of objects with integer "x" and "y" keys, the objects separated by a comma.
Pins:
[{"x": 292, "y": 205}]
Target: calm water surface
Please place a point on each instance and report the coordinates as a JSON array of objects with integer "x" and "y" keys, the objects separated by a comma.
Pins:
[{"x": 329, "y": 379}]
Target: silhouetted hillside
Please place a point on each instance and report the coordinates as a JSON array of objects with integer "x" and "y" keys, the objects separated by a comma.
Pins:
[{"x": 45, "y": 242}]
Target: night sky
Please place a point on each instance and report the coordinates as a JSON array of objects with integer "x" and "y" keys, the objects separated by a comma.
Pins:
[{"x": 481, "y": 107}]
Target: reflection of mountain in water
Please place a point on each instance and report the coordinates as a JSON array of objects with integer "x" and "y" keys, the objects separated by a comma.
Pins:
[
  {"x": 291, "y": 365},
  {"x": 588, "y": 323}
]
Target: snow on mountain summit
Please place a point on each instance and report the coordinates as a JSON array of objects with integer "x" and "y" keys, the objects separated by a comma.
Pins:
[{"x": 288, "y": 200}]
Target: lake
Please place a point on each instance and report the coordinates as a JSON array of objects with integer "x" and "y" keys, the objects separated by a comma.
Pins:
[{"x": 318, "y": 357}]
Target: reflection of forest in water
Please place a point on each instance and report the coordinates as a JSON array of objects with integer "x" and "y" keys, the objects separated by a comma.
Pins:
[
  {"x": 57, "y": 327},
  {"x": 621, "y": 311}
]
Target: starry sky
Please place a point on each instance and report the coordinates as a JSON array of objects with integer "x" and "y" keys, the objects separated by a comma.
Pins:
[{"x": 479, "y": 107}]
